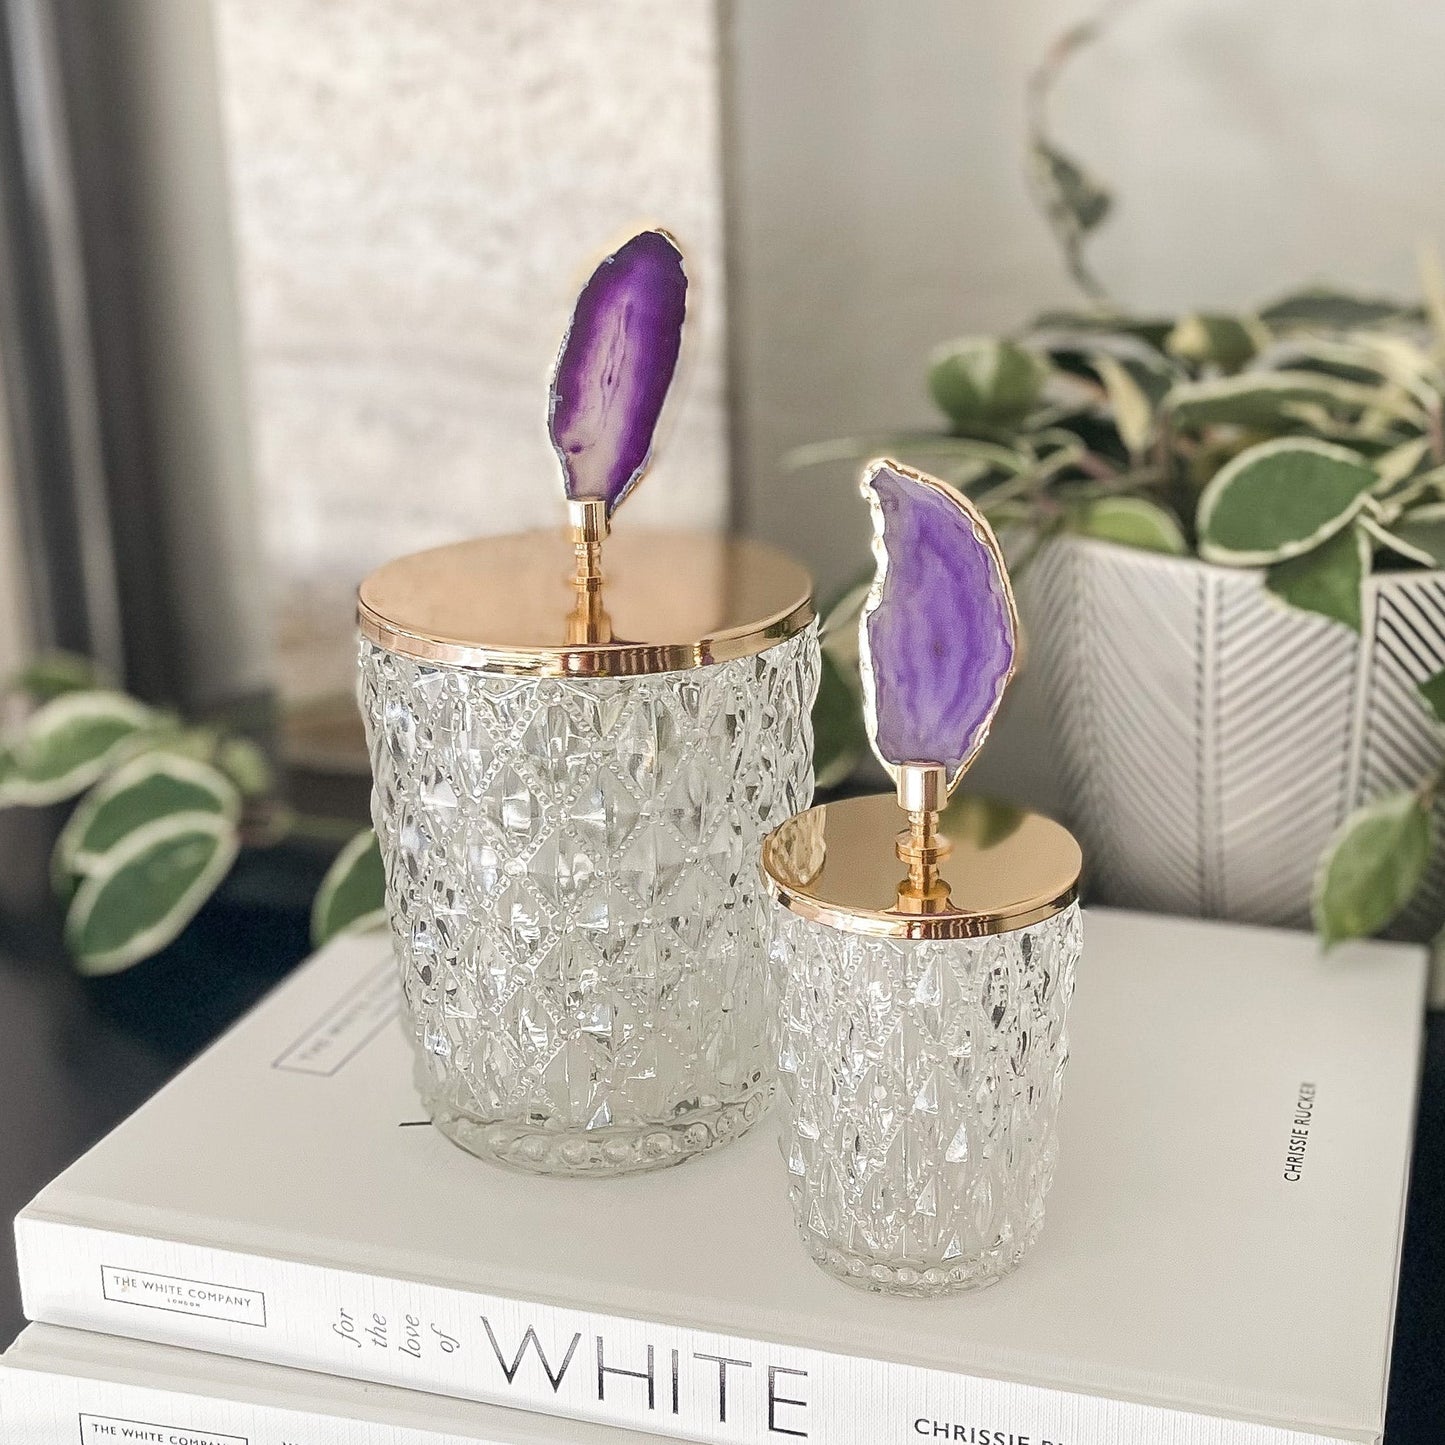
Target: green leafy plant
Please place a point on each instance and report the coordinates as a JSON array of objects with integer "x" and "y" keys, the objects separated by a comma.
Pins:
[
  {"x": 1305, "y": 439},
  {"x": 1320, "y": 460},
  {"x": 162, "y": 810}
]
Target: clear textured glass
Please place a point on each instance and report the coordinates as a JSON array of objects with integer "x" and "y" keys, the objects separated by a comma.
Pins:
[
  {"x": 573, "y": 887},
  {"x": 922, "y": 1081}
]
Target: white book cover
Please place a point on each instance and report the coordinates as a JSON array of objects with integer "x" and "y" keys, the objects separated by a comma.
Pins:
[
  {"x": 1218, "y": 1263},
  {"x": 60, "y": 1386}
]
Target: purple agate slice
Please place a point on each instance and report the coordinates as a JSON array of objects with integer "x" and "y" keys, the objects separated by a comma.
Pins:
[
  {"x": 615, "y": 367},
  {"x": 938, "y": 633}
]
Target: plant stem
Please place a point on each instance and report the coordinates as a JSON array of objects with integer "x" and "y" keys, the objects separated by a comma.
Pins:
[
  {"x": 1392, "y": 505},
  {"x": 1429, "y": 789},
  {"x": 1100, "y": 468},
  {"x": 1067, "y": 232}
]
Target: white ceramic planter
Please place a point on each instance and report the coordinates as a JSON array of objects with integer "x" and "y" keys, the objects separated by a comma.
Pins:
[{"x": 1211, "y": 739}]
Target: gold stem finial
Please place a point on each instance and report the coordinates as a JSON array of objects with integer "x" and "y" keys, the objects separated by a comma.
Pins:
[
  {"x": 589, "y": 526},
  {"x": 922, "y": 794}
]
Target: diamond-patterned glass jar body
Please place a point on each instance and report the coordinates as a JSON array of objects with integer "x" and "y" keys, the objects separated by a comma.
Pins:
[
  {"x": 922, "y": 1081},
  {"x": 572, "y": 882}
]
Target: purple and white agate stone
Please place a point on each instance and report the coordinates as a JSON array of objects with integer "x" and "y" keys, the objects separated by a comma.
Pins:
[
  {"x": 938, "y": 635},
  {"x": 616, "y": 364}
]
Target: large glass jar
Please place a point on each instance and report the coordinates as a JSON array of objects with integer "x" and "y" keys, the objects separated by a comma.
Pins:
[
  {"x": 922, "y": 1054},
  {"x": 570, "y": 815}
]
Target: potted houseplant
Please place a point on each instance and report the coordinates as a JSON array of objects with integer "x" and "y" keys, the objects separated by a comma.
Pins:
[
  {"x": 1229, "y": 532},
  {"x": 160, "y": 810}
]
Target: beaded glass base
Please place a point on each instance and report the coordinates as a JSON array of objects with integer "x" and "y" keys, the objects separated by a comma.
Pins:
[
  {"x": 922, "y": 1080},
  {"x": 572, "y": 881}
]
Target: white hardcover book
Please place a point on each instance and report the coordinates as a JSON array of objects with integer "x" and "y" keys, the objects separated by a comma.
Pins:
[
  {"x": 1218, "y": 1265},
  {"x": 60, "y": 1386}
]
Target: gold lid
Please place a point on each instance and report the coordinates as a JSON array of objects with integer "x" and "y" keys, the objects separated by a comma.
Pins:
[
  {"x": 663, "y": 602},
  {"x": 1001, "y": 868}
]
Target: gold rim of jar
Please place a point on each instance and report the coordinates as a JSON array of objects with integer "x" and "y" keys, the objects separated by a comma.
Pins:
[
  {"x": 1007, "y": 869},
  {"x": 767, "y": 600}
]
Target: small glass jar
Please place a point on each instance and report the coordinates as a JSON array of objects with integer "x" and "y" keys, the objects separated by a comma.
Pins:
[
  {"x": 923, "y": 1042},
  {"x": 571, "y": 793}
]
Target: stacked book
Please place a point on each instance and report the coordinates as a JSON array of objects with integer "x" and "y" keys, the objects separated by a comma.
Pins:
[{"x": 278, "y": 1249}]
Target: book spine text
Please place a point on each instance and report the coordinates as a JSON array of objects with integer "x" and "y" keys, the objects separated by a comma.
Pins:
[
  {"x": 657, "y": 1376},
  {"x": 38, "y": 1407}
]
